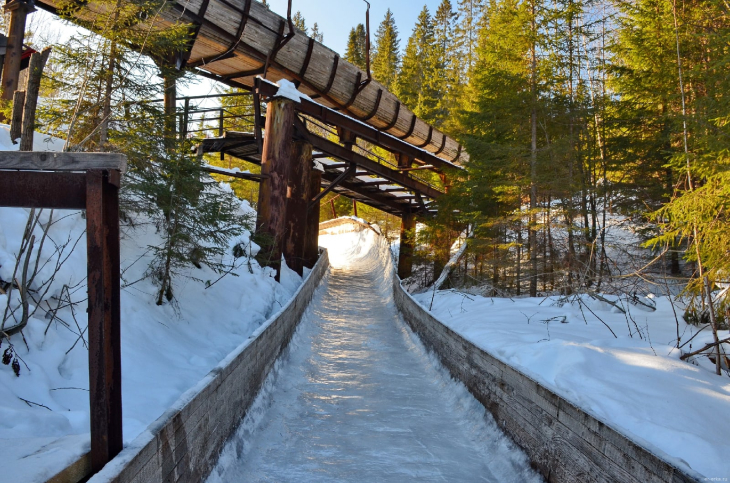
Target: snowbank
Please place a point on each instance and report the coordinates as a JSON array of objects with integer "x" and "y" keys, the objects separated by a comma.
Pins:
[
  {"x": 165, "y": 350},
  {"x": 635, "y": 381}
]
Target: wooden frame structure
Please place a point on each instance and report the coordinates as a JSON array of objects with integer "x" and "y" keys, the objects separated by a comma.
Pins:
[
  {"x": 84, "y": 181},
  {"x": 234, "y": 41}
]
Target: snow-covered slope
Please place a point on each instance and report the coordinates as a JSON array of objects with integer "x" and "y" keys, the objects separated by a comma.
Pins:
[
  {"x": 165, "y": 350},
  {"x": 636, "y": 382}
]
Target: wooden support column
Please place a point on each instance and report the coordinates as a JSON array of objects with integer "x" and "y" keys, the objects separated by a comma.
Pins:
[
  {"x": 297, "y": 200},
  {"x": 105, "y": 368},
  {"x": 275, "y": 162},
  {"x": 19, "y": 10},
  {"x": 407, "y": 245},
  {"x": 311, "y": 242}
]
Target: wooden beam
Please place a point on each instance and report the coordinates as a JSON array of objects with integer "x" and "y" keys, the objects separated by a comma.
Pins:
[
  {"x": 348, "y": 173},
  {"x": 311, "y": 240},
  {"x": 105, "y": 377},
  {"x": 340, "y": 152},
  {"x": 38, "y": 160},
  {"x": 29, "y": 189},
  {"x": 296, "y": 205},
  {"x": 376, "y": 200},
  {"x": 275, "y": 162},
  {"x": 225, "y": 172},
  {"x": 407, "y": 245},
  {"x": 359, "y": 129}
]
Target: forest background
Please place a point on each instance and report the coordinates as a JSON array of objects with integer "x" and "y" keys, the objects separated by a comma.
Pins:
[{"x": 576, "y": 114}]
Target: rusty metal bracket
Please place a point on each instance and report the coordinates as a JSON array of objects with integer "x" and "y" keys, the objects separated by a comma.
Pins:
[
  {"x": 443, "y": 145},
  {"x": 307, "y": 59},
  {"x": 185, "y": 57},
  {"x": 281, "y": 39},
  {"x": 411, "y": 129},
  {"x": 392, "y": 123},
  {"x": 428, "y": 138},
  {"x": 372, "y": 113},
  {"x": 458, "y": 154},
  {"x": 348, "y": 173},
  {"x": 239, "y": 34},
  {"x": 333, "y": 74}
]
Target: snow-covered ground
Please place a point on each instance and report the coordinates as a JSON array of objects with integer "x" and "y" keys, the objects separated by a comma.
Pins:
[
  {"x": 165, "y": 349},
  {"x": 356, "y": 397},
  {"x": 634, "y": 381}
]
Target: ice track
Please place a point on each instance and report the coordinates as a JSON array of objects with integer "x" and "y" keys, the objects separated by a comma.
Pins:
[{"x": 356, "y": 397}]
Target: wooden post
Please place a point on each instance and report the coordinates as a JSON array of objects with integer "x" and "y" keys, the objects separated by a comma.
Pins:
[
  {"x": 407, "y": 245},
  {"x": 16, "y": 119},
  {"x": 275, "y": 162},
  {"x": 311, "y": 242},
  {"x": 19, "y": 10},
  {"x": 105, "y": 378},
  {"x": 354, "y": 207},
  {"x": 35, "y": 72},
  {"x": 297, "y": 200}
]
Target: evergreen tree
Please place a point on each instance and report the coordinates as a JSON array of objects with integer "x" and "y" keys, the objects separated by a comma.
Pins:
[
  {"x": 418, "y": 63},
  {"x": 316, "y": 34},
  {"x": 299, "y": 22},
  {"x": 466, "y": 35},
  {"x": 102, "y": 102},
  {"x": 356, "y": 46},
  {"x": 386, "y": 55}
]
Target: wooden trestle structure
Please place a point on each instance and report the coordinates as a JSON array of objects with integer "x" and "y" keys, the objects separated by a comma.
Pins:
[
  {"x": 292, "y": 184},
  {"x": 233, "y": 41},
  {"x": 243, "y": 44}
]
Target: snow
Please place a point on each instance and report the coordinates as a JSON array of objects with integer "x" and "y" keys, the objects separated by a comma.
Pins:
[
  {"x": 235, "y": 170},
  {"x": 41, "y": 142},
  {"x": 288, "y": 90},
  {"x": 165, "y": 349},
  {"x": 636, "y": 383},
  {"x": 356, "y": 397}
]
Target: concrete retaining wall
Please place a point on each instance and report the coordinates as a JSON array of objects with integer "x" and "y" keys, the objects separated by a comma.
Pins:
[
  {"x": 183, "y": 445},
  {"x": 564, "y": 443}
]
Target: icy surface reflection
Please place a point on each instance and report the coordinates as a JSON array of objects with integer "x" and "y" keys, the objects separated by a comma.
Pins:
[{"x": 357, "y": 398}]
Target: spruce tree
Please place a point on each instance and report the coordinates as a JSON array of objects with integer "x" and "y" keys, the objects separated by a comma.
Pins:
[
  {"x": 386, "y": 55},
  {"x": 299, "y": 22},
  {"x": 416, "y": 65},
  {"x": 104, "y": 101},
  {"x": 356, "y": 45},
  {"x": 466, "y": 34},
  {"x": 316, "y": 34}
]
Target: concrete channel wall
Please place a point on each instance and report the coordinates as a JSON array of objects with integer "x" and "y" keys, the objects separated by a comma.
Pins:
[
  {"x": 564, "y": 443},
  {"x": 183, "y": 445}
]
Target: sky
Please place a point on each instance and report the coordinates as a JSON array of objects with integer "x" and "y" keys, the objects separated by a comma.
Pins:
[{"x": 336, "y": 17}]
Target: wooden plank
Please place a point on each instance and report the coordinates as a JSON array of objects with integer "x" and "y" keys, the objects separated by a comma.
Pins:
[
  {"x": 28, "y": 189},
  {"x": 340, "y": 152},
  {"x": 39, "y": 160}
]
